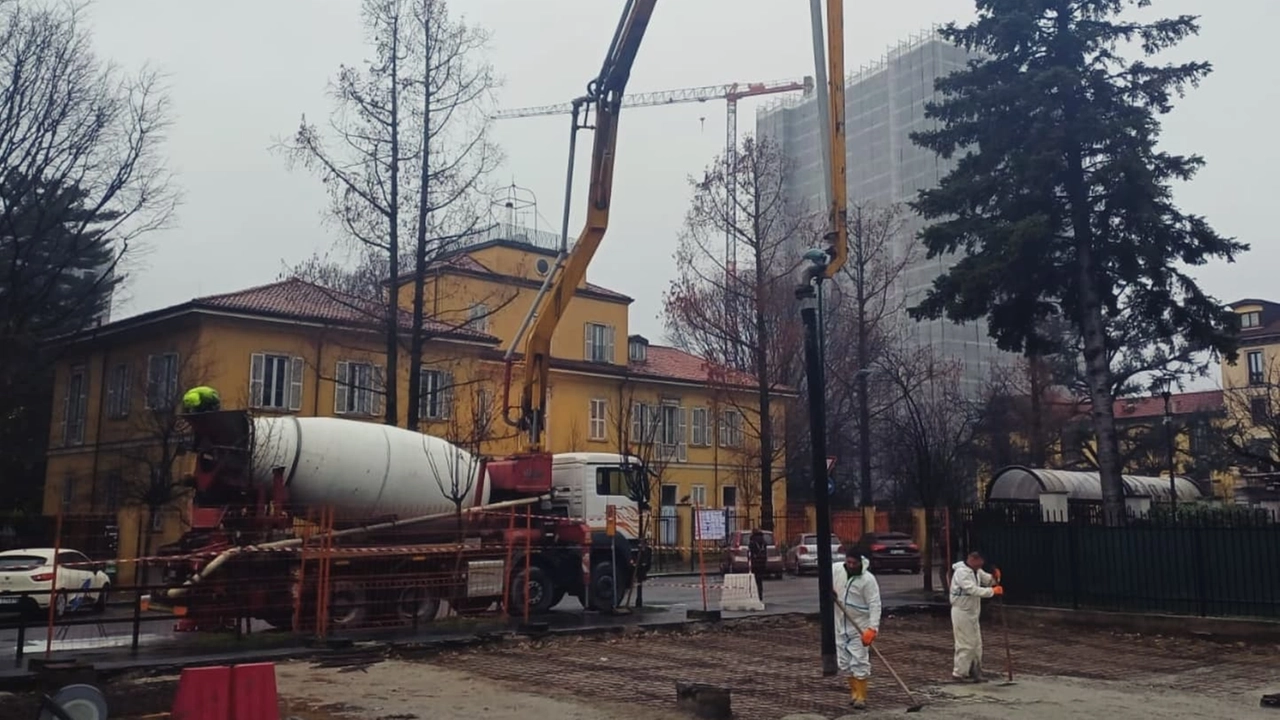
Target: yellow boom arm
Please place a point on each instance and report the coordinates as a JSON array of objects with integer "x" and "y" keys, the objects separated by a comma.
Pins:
[
  {"x": 605, "y": 95},
  {"x": 838, "y": 234}
]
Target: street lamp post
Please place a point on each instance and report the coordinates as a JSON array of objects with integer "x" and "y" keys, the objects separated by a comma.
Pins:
[{"x": 1168, "y": 447}]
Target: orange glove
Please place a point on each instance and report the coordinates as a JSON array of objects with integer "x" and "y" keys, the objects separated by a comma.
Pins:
[
  {"x": 868, "y": 636},
  {"x": 997, "y": 591}
]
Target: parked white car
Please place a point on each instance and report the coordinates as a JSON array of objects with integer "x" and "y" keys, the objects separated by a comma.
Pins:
[{"x": 26, "y": 582}]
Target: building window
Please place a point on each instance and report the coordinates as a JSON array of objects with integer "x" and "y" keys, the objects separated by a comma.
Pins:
[
  {"x": 162, "y": 381},
  {"x": 730, "y": 429},
  {"x": 642, "y": 424},
  {"x": 435, "y": 398},
  {"x": 1250, "y": 320},
  {"x": 667, "y": 496},
  {"x": 478, "y": 318},
  {"x": 1260, "y": 410},
  {"x": 275, "y": 382},
  {"x": 598, "y": 343},
  {"x": 68, "y": 493},
  {"x": 596, "y": 422},
  {"x": 1257, "y": 376},
  {"x": 357, "y": 389},
  {"x": 637, "y": 349},
  {"x": 482, "y": 414},
  {"x": 157, "y": 519},
  {"x": 698, "y": 495},
  {"x": 729, "y": 497},
  {"x": 75, "y": 406},
  {"x": 671, "y": 432},
  {"x": 118, "y": 392},
  {"x": 114, "y": 483},
  {"x": 701, "y": 431}
]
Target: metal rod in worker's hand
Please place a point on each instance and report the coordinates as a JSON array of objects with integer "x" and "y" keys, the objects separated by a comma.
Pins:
[{"x": 849, "y": 616}]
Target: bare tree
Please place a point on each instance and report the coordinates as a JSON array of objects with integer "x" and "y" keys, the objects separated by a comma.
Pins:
[
  {"x": 634, "y": 426},
  {"x": 82, "y": 181},
  {"x": 733, "y": 301},
  {"x": 1025, "y": 415},
  {"x": 407, "y": 152},
  {"x": 929, "y": 436},
  {"x": 149, "y": 400}
]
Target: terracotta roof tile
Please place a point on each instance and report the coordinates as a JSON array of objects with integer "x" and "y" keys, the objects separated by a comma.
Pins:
[
  {"x": 1179, "y": 404},
  {"x": 662, "y": 361},
  {"x": 297, "y": 298}
]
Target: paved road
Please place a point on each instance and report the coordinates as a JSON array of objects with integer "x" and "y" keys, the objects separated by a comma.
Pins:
[
  {"x": 788, "y": 595},
  {"x": 115, "y": 627}
]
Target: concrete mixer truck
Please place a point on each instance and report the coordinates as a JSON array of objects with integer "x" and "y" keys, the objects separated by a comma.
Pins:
[
  {"x": 409, "y": 521},
  {"x": 255, "y": 474}
]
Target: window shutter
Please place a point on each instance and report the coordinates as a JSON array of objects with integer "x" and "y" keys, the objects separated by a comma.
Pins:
[
  {"x": 682, "y": 451},
  {"x": 171, "y": 384},
  {"x": 66, "y": 412},
  {"x": 637, "y": 424},
  {"x": 608, "y": 344},
  {"x": 257, "y": 361},
  {"x": 126, "y": 389},
  {"x": 445, "y": 388},
  {"x": 340, "y": 388},
  {"x": 113, "y": 393},
  {"x": 82, "y": 407},
  {"x": 296, "y": 371},
  {"x": 379, "y": 388},
  {"x": 589, "y": 341}
]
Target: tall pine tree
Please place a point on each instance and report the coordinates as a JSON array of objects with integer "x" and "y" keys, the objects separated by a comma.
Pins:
[{"x": 1061, "y": 202}]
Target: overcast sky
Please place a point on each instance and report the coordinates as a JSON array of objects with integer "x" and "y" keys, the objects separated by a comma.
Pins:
[{"x": 243, "y": 71}]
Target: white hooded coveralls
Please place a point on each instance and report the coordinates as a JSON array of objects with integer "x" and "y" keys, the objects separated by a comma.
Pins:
[
  {"x": 860, "y": 594},
  {"x": 968, "y": 588}
]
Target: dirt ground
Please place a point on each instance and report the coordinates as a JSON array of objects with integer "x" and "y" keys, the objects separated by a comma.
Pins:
[{"x": 771, "y": 667}]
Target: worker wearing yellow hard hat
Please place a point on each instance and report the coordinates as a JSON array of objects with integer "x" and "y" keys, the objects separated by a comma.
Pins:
[{"x": 201, "y": 399}]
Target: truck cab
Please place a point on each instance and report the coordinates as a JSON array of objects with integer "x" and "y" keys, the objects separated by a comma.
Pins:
[{"x": 584, "y": 484}]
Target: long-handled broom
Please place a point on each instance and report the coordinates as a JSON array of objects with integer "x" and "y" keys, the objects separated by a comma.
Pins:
[
  {"x": 915, "y": 706},
  {"x": 1008, "y": 654}
]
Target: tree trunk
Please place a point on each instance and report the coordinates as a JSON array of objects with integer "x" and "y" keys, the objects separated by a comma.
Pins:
[
  {"x": 864, "y": 402},
  {"x": 416, "y": 340},
  {"x": 392, "y": 376},
  {"x": 1091, "y": 323},
  {"x": 1037, "y": 407}
]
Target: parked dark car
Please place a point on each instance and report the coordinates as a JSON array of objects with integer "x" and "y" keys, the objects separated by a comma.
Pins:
[
  {"x": 894, "y": 551},
  {"x": 733, "y": 557}
]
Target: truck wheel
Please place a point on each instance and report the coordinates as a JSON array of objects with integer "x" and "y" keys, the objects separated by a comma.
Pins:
[
  {"x": 348, "y": 605},
  {"x": 604, "y": 592},
  {"x": 416, "y": 602},
  {"x": 541, "y": 591}
]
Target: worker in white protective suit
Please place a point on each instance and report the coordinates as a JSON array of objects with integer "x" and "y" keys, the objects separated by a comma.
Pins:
[
  {"x": 858, "y": 592},
  {"x": 970, "y": 584}
]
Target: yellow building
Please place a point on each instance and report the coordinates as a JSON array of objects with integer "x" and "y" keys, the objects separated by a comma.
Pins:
[
  {"x": 1251, "y": 391},
  {"x": 292, "y": 347}
]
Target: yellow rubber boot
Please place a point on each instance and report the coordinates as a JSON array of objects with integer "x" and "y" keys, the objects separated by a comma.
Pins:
[
  {"x": 853, "y": 690},
  {"x": 860, "y": 693}
]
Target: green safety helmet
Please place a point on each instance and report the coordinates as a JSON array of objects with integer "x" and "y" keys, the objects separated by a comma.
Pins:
[{"x": 197, "y": 396}]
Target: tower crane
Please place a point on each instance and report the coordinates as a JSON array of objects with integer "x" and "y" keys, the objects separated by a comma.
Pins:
[{"x": 730, "y": 93}]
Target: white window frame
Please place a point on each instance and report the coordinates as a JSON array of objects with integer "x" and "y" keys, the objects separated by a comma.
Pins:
[
  {"x": 435, "y": 394},
  {"x": 162, "y": 381},
  {"x": 289, "y": 367},
  {"x": 597, "y": 420},
  {"x": 1250, "y": 320},
  {"x": 1256, "y": 368},
  {"x": 598, "y": 342},
  {"x": 118, "y": 387},
  {"x": 641, "y": 424},
  {"x": 637, "y": 351},
  {"x": 699, "y": 428},
  {"x": 731, "y": 429},
  {"x": 478, "y": 318},
  {"x": 75, "y": 406},
  {"x": 672, "y": 431},
  {"x": 698, "y": 495},
  {"x": 358, "y": 388}
]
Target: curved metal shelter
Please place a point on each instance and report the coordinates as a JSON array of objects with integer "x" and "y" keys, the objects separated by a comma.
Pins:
[{"x": 1017, "y": 483}]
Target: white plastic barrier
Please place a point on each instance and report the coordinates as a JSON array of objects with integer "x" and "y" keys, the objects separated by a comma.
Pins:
[{"x": 739, "y": 594}]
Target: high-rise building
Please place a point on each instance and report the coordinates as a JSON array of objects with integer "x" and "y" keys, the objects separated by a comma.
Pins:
[{"x": 884, "y": 104}]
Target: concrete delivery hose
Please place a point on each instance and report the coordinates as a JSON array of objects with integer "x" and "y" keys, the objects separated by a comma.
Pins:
[{"x": 229, "y": 553}]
